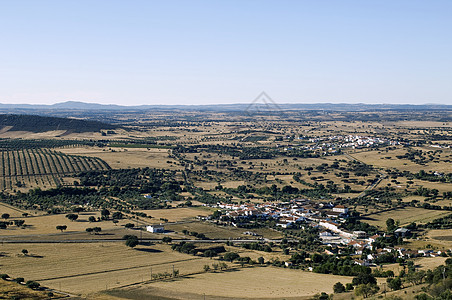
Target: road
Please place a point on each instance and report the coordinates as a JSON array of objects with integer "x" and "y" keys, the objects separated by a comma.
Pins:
[{"x": 79, "y": 241}]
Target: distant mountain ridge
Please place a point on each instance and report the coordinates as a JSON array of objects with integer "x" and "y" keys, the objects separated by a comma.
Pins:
[
  {"x": 75, "y": 105},
  {"x": 34, "y": 123}
]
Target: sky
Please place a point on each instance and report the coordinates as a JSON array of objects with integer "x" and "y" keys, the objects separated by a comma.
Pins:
[{"x": 134, "y": 52}]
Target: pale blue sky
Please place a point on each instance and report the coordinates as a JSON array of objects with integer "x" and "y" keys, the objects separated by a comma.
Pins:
[{"x": 206, "y": 52}]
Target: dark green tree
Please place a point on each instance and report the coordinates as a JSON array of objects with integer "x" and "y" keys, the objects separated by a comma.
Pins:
[
  {"x": 72, "y": 217},
  {"x": 338, "y": 288}
]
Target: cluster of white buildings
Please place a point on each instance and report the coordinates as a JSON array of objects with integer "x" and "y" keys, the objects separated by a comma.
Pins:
[
  {"x": 326, "y": 217},
  {"x": 334, "y": 143},
  {"x": 286, "y": 214}
]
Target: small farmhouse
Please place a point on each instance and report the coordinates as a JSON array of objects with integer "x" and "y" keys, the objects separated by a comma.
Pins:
[{"x": 155, "y": 228}]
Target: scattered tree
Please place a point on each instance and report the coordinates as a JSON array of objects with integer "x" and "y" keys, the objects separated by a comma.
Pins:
[
  {"x": 338, "y": 288},
  {"x": 105, "y": 213},
  {"x": 366, "y": 290},
  {"x": 61, "y": 227},
  {"x": 19, "y": 223},
  {"x": 167, "y": 239},
  {"x": 231, "y": 256},
  {"x": 132, "y": 241},
  {"x": 206, "y": 268},
  {"x": 72, "y": 217},
  {"x": 33, "y": 285}
]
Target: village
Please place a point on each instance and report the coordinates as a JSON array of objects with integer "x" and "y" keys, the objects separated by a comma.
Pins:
[
  {"x": 333, "y": 144},
  {"x": 328, "y": 219}
]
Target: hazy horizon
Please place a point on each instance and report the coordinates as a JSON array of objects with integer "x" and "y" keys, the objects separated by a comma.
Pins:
[
  {"x": 225, "y": 52},
  {"x": 228, "y": 103}
]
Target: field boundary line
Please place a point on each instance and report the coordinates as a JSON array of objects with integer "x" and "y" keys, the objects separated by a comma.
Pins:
[{"x": 117, "y": 270}]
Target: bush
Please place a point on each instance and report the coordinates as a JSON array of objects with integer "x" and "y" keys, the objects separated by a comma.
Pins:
[
  {"x": 33, "y": 285},
  {"x": 4, "y": 276}
]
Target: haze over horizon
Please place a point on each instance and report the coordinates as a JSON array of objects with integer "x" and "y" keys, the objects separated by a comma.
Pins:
[{"x": 225, "y": 52}]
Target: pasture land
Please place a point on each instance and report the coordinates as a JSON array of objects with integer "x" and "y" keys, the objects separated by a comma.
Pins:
[
  {"x": 126, "y": 158},
  {"x": 13, "y": 290},
  {"x": 46, "y": 224},
  {"x": 421, "y": 263},
  {"x": 389, "y": 159},
  {"x": 82, "y": 268},
  {"x": 245, "y": 283},
  {"x": 435, "y": 239},
  {"x": 405, "y": 216},
  {"x": 177, "y": 214},
  {"x": 219, "y": 232}
]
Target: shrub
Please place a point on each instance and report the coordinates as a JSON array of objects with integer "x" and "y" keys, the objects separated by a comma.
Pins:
[
  {"x": 4, "y": 276},
  {"x": 33, "y": 285}
]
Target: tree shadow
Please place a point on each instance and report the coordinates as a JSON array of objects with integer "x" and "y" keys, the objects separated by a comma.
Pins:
[
  {"x": 148, "y": 250},
  {"x": 88, "y": 214},
  {"x": 367, "y": 218},
  {"x": 34, "y": 256}
]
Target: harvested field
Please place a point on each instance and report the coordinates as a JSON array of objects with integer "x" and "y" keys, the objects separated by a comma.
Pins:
[
  {"x": 246, "y": 283},
  {"x": 46, "y": 224},
  {"x": 219, "y": 232},
  {"x": 92, "y": 267},
  {"x": 126, "y": 158},
  {"x": 404, "y": 216},
  {"x": 13, "y": 290},
  {"x": 177, "y": 214}
]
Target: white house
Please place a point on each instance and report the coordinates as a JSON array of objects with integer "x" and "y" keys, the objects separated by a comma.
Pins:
[
  {"x": 330, "y": 225},
  {"x": 155, "y": 228},
  {"x": 340, "y": 209}
]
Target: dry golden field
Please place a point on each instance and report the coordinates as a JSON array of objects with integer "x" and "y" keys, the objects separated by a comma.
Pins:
[
  {"x": 125, "y": 158},
  {"x": 421, "y": 263},
  {"x": 13, "y": 290},
  {"x": 46, "y": 224},
  {"x": 16, "y": 212},
  {"x": 246, "y": 283},
  {"x": 82, "y": 268},
  {"x": 177, "y": 214},
  {"x": 436, "y": 239},
  {"x": 405, "y": 216},
  {"x": 220, "y": 232},
  {"x": 380, "y": 159}
]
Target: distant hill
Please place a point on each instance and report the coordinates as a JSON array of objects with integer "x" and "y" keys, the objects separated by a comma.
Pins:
[
  {"x": 82, "y": 106},
  {"x": 35, "y": 123}
]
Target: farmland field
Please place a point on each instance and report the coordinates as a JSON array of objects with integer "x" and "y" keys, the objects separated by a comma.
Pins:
[
  {"x": 13, "y": 290},
  {"x": 28, "y": 168},
  {"x": 405, "y": 216},
  {"x": 92, "y": 267},
  {"x": 182, "y": 171},
  {"x": 247, "y": 283}
]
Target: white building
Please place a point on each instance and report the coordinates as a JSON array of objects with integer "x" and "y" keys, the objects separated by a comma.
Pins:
[
  {"x": 340, "y": 209},
  {"x": 155, "y": 228}
]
